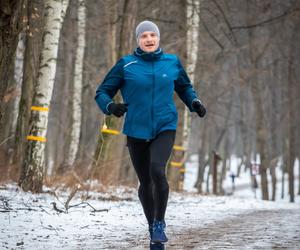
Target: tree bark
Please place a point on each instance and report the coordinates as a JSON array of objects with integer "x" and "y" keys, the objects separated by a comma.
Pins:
[
  {"x": 127, "y": 43},
  {"x": 77, "y": 89},
  {"x": 33, "y": 167},
  {"x": 12, "y": 21},
  {"x": 33, "y": 45},
  {"x": 292, "y": 114},
  {"x": 12, "y": 108},
  {"x": 176, "y": 175}
]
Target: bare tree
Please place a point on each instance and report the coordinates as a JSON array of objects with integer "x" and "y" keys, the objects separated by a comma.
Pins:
[
  {"x": 77, "y": 90},
  {"x": 12, "y": 20},
  {"x": 110, "y": 149},
  {"x": 33, "y": 44},
  {"x": 32, "y": 170}
]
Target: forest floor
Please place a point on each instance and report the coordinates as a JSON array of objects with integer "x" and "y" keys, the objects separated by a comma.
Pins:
[
  {"x": 114, "y": 220},
  {"x": 262, "y": 229}
]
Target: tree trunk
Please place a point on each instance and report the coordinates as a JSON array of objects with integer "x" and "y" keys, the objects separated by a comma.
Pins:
[
  {"x": 33, "y": 167},
  {"x": 111, "y": 149},
  {"x": 274, "y": 179},
  {"x": 192, "y": 19},
  {"x": 77, "y": 89},
  {"x": 127, "y": 43},
  {"x": 11, "y": 116},
  {"x": 192, "y": 40},
  {"x": 12, "y": 21},
  {"x": 292, "y": 97},
  {"x": 201, "y": 162},
  {"x": 258, "y": 88},
  {"x": 33, "y": 45},
  {"x": 60, "y": 117},
  {"x": 222, "y": 177},
  {"x": 261, "y": 146}
]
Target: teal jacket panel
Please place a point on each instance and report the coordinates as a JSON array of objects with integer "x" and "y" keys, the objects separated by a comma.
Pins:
[{"x": 147, "y": 82}]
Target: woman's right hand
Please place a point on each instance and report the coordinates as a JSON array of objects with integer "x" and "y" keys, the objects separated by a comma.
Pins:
[{"x": 118, "y": 109}]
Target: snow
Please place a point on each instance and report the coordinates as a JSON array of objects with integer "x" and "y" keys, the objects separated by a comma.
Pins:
[
  {"x": 243, "y": 182},
  {"x": 123, "y": 226},
  {"x": 239, "y": 221}
]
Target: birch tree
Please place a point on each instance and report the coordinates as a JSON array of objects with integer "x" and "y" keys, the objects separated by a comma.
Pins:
[
  {"x": 192, "y": 16},
  {"x": 33, "y": 45},
  {"x": 32, "y": 169},
  {"x": 193, "y": 11},
  {"x": 77, "y": 90}
]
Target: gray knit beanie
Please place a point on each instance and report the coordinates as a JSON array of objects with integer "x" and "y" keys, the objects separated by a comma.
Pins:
[{"x": 146, "y": 26}]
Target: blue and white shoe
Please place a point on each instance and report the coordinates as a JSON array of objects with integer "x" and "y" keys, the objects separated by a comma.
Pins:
[
  {"x": 158, "y": 232},
  {"x": 157, "y": 246}
]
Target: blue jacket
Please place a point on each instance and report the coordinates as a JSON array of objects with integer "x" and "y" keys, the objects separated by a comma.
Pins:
[{"x": 147, "y": 82}]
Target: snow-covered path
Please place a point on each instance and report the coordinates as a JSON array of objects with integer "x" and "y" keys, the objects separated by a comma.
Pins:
[
  {"x": 261, "y": 229},
  {"x": 29, "y": 221}
]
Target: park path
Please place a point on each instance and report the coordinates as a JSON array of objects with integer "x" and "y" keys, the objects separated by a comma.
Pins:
[
  {"x": 262, "y": 229},
  {"x": 29, "y": 221}
]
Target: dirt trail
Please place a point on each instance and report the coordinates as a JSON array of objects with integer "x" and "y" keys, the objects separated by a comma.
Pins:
[{"x": 261, "y": 229}]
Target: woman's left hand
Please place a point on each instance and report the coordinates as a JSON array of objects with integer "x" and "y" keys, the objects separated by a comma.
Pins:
[{"x": 199, "y": 108}]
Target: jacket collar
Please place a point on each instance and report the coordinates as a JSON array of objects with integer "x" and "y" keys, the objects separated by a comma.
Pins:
[{"x": 148, "y": 56}]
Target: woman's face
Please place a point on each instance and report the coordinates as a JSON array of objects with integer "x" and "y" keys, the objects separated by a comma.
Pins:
[{"x": 149, "y": 41}]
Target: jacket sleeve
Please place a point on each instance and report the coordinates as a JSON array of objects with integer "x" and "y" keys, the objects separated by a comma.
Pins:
[
  {"x": 110, "y": 86},
  {"x": 184, "y": 88}
]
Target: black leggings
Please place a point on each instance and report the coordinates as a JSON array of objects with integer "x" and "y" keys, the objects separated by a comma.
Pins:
[{"x": 149, "y": 159}]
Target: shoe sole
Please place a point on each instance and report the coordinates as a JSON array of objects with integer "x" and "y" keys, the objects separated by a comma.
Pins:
[{"x": 152, "y": 241}]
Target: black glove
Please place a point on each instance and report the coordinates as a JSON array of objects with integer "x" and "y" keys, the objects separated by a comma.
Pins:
[
  {"x": 199, "y": 108},
  {"x": 117, "y": 109}
]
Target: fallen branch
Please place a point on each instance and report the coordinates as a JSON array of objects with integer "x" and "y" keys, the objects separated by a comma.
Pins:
[
  {"x": 49, "y": 227},
  {"x": 44, "y": 210},
  {"x": 57, "y": 209},
  {"x": 114, "y": 198},
  {"x": 94, "y": 209},
  {"x": 27, "y": 208},
  {"x": 72, "y": 194},
  {"x": 5, "y": 204},
  {"x": 5, "y": 211}
]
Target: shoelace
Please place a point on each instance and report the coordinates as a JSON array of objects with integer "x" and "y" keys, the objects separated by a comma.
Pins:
[{"x": 159, "y": 226}]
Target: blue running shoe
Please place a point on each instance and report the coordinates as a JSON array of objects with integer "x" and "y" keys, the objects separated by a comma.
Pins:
[
  {"x": 158, "y": 233},
  {"x": 157, "y": 246}
]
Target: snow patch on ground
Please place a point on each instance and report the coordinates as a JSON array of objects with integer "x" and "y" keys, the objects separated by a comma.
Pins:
[{"x": 29, "y": 221}]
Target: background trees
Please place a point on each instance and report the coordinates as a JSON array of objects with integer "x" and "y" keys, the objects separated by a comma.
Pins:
[{"x": 246, "y": 73}]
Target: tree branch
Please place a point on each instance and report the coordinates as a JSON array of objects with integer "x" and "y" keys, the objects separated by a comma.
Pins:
[
  {"x": 210, "y": 34},
  {"x": 72, "y": 194},
  {"x": 286, "y": 13},
  {"x": 227, "y": 22}
]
